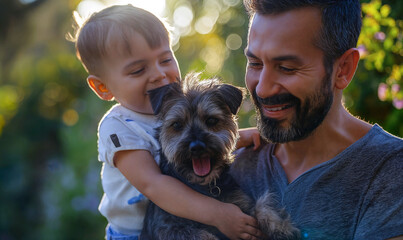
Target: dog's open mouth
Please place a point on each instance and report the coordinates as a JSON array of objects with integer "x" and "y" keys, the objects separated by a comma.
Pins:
[{"x": 201, "y": 165}]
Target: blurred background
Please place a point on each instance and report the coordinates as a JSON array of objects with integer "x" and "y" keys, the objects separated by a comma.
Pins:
[{"x": 49, "y": 172}]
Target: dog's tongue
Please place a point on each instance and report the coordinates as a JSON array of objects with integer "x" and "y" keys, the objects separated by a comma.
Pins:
[{"x": 201, "y": 166}]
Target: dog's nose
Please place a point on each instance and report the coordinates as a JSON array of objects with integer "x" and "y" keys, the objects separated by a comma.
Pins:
[{"x": 197, "y": 147}]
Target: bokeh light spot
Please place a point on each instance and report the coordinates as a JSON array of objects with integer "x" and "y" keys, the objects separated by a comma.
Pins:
[
  {"x": 233, "y": 41},
  {"x": 183, "y": 16},
  {"x": 87, "y": 7},
  {"x": 70, "y": 117},
  {"x": 232, "y": 3},
  {"x": 204, "y": 25}
]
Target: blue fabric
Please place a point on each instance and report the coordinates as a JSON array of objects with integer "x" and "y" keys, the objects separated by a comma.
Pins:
[
  {"x": 356, "y": 195},
  {"x": 111, "y": 234},
  {"x": 136, "y": 199}
]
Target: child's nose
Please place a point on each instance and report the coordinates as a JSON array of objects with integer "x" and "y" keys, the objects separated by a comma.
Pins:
[
  {"x": 158, "y": 75},
  {"x": 159, "y": 81}
]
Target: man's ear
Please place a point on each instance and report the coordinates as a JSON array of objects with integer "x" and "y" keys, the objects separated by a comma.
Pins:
[
  {"x": 346, "y": 66},
  {"x": 99, "y": 88}
]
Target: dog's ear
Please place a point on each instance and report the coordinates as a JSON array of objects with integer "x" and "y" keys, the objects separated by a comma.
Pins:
[
  {"x": 232, "y": 96},
  {"x": 159, "y": 95}
]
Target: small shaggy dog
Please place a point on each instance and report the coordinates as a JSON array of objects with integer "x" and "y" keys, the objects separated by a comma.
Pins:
[{"x": 197, "y": 136}]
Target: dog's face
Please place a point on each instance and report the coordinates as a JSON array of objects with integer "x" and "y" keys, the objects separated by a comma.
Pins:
[{"x": 199, "y": 128}]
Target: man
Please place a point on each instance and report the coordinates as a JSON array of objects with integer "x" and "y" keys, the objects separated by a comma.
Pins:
[{"x": 337, "y": 176}]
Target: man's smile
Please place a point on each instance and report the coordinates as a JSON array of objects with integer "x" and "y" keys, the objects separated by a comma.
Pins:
[{"x": 278, "y": 111}]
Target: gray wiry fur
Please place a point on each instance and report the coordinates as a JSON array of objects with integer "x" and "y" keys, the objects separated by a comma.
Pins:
[
  {"x": 274, "y": 222},
  {"x": 203, "y": 114}
]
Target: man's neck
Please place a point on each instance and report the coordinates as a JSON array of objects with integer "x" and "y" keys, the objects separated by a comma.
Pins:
[{"x": 334, "y": 135}]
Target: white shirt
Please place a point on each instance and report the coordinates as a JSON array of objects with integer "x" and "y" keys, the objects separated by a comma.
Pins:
[{"x": 122, "y": 129}]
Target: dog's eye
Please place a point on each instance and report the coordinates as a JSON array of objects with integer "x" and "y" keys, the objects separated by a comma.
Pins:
[
  {"x": 211, "y": 121},
  {"x": 177, "y": 126}
]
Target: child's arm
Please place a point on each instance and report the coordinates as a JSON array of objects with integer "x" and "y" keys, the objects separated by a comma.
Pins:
[
  {"x": 175, "y": 197},
  {"x": 248, "y": 137}
]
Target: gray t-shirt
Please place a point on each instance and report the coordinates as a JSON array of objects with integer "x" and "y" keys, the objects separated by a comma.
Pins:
[{"x": 356, "y": 195}]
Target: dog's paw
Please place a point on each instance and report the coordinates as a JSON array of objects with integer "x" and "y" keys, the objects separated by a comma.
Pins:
[
  {"x": 273, "y": 222},
  {"x": 183, "y": 233},
  {"x": 204, "y": 235}
]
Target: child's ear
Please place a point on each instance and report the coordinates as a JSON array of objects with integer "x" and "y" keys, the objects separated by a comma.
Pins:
[
  {"x": 99, "y": 88},
  {"x": 346, "y": 66}
]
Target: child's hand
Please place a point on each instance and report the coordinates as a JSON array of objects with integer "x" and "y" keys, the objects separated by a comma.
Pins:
[
  {"x": 235, "y": 224},
  {"x": 248, "y": 137}
]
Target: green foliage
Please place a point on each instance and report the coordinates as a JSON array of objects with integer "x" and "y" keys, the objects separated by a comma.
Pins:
[
  {"x": 49, "y": 172},
  {"x": 379, "y": 76}
]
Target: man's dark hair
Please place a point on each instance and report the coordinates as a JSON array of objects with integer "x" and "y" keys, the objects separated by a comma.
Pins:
[{"x": 341, "y": 22}]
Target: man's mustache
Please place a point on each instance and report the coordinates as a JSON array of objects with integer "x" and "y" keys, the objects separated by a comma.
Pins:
[{"x": 284, "y": 98}]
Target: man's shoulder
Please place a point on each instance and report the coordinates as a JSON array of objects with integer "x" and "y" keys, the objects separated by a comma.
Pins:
[
  {"x": 380, "y": 141},
  {"x": 247, "y": 158}
]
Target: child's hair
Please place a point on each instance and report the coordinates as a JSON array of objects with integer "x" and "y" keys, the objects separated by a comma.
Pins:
[{"x": 112, "y": 29}]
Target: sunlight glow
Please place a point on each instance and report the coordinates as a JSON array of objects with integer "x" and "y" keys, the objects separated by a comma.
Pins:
[
  {"x": 206, "y": 23},
  {"x": 87, "y": 7},
  {"x": 183, "y": 16},
  {"x": 213, "y": 54},
  {"x": 232, "y": 3}
]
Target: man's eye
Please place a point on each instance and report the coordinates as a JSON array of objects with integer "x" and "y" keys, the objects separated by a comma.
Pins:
[
  {"x": 211, "y": 121},
  {"x": 286, "y": 69},
  {"x": 254, "y": 64}
]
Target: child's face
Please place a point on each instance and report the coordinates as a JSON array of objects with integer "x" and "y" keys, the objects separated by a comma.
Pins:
[{"x": 129, "y": 77}]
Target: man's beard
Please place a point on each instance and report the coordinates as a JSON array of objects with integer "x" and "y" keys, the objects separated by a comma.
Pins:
[{"x": 306, "y": 119}]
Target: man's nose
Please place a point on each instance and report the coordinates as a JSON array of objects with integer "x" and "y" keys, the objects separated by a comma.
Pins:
[{"x": 268, "y": 84}]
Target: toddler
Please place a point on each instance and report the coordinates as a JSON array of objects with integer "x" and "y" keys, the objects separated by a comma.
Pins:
[{"x": 126, "y": 52}]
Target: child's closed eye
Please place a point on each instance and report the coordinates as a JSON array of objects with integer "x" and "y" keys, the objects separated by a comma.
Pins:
[
  {"x": 167, "y": 60},
  {"x": 137, "y": 71}
]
